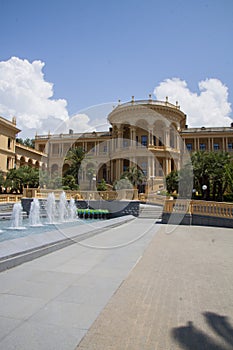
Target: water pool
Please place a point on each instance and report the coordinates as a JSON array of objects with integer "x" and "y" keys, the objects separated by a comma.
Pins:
[{"x": 7, "y": 233}]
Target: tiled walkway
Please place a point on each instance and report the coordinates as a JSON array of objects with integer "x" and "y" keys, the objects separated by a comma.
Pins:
[
  {"x": 50, "y": 302},
  {"x": 133, "y": 287},
  {"x": 179, "y": 296}
]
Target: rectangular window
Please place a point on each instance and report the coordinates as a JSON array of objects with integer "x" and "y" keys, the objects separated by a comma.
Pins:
[
  {"x": 8, "y": 163},
  {"x": 189, "y": 146},
  {"x": 230, "y": 146},
  {"x": 144, "y": 140},
  {"x": 216, "y": 146},
  {"x": 202, "y": 146},
  {"x": 125, "y": 143},
  {"x": 9, "y": 143}
]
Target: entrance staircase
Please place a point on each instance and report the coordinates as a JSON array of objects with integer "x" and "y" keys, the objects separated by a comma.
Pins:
[{"x": 148, "y": 211}]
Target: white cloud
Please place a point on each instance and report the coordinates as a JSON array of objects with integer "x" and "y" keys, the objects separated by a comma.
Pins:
[
  {"x": 208, "y": 108},
  {"x": 82, "y": 122},
  {"x": 25, "y": 94}
]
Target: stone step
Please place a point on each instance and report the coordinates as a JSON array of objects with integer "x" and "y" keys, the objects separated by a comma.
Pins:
[
  {"x": 150, "y": 211},
  {"x": 6, "y": 207}
]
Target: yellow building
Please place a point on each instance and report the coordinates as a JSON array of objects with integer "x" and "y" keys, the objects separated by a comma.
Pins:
[
  {"x": 144, "y": 133},
  {"x": 208, "y": 139},
  {"x": 13, "y": 154},
  {"x": 151, "y": 135},
  {"x": 8, "y": 132}
]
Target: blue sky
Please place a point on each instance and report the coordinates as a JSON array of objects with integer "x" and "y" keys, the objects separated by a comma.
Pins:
[{"x": 95, "y": 52}]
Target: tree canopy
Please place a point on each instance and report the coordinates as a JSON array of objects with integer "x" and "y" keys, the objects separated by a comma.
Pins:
[
  {"x": 74, "y": 158},
  {"x": 134, "y": 175},
  {"x": 27, "y": 142},
  {"x": 17, "y": 179},
  {"x": 212, "y": 169}
]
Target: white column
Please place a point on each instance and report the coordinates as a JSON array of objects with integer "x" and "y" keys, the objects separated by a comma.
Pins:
[
  {"x": 167, "y": 137},
  {"x": 133, "y": 136},
  {"x": 223, "y": 144},
  {"x": 150, "y": 137},
  {"x": 153, "y": 167}
]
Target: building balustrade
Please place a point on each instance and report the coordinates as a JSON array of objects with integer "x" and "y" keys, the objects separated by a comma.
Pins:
[
  {"x": 194, "y": 207},
  {"x": 10, "y": 198}
]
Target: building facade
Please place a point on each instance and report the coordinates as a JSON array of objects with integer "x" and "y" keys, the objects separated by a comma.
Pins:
[
  {"x": 13, "y": 154},
  {"x": 8, "y": 132},
  {"x": 151, "y": 135}
]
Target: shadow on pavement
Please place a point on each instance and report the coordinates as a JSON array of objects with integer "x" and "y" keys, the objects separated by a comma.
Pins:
[{"x": 191, "y": 338}]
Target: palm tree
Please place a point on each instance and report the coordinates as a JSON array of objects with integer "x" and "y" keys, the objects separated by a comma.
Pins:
[
  {"x": 134, "y": 175},
  {"x": 74, "y": 158}
]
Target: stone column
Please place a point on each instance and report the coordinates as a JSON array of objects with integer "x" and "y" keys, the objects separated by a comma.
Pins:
[
  {"x": 119, "y": 137},
  {"x": 223, "y": 144},
  {"x": 133, "y": 136},
  {"x": 150, "y": 137},
  {"x": 149, "y": 173},
  {"x": 153, "y": 166},
  {"x": 167, "y": 137}
]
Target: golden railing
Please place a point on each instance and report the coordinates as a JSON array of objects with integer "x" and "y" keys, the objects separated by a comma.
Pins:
[
  {"x": 152, "y": 198},
  {"x": 85, "y": 195},
  {"x": 193, "y": 207},
  {"x": 10, "y": 198}
]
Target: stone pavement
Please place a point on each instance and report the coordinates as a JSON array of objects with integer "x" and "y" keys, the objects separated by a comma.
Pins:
[
  {"x": 178, "y": 296},
  {"x": 49, "y": 303}
]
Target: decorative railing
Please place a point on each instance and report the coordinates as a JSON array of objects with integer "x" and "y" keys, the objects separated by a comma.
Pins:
[
  {"x": 152, "y": 198},
  {"x": 85, "y": 195},
  {"x": 218, "y": 209},
  {"x": 215, "y": 209},
  {"x": 145, "y": 102},
  {"x": 10, "y": 198}
]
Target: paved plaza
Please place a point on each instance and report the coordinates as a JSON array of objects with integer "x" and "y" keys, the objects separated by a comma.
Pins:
[{"x": 137, "y": 286}]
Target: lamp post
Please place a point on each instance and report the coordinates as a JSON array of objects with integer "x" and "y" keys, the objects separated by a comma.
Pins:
[{"x": 204, "y": 188}]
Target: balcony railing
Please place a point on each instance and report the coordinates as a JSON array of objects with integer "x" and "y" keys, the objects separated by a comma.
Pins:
[{"x": 146, "y": 102}]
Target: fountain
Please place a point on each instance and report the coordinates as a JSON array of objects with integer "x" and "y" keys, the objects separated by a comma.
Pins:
[
  {"x": 51, "y": 208},
  {"x": 17, "y": 217},
  {"x": 62, "y": 207},
  {"x": 72, "y": 210},
  {"x": 56, "y": 212},
  {"x": 34, "y": 215}
]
